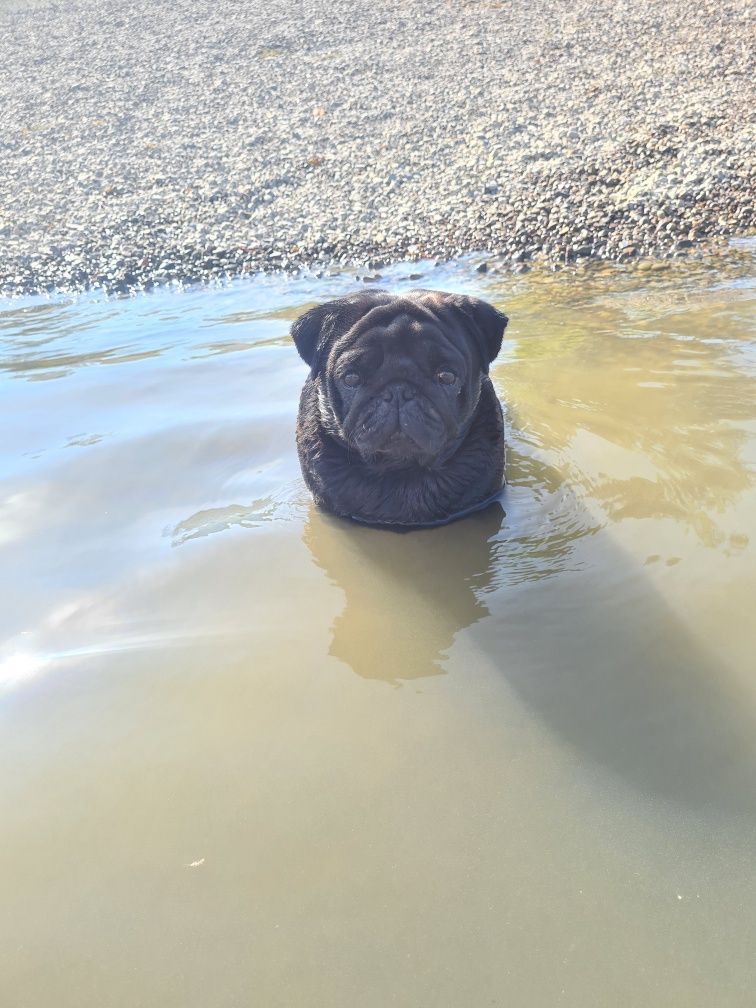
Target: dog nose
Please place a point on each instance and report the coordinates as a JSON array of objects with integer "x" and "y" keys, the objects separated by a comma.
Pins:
[{"x": 398, "y": 391}]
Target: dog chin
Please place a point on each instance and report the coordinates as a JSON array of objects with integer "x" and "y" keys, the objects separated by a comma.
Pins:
[{"x": 398, "y": 451}]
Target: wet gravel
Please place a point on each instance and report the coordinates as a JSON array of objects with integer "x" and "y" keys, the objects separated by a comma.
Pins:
[{"x": 186, "y": 140}]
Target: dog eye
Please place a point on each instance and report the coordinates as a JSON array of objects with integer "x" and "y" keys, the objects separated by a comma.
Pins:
[
  {"x": 352, "y": 379},
  {"x": 446, "y": 377}
]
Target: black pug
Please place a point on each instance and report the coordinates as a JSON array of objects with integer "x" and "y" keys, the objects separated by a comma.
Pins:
[{"x": 398, "y": 421}]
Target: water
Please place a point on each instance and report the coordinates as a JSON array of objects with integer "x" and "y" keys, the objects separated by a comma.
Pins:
[{"x": 250, "y": 754}]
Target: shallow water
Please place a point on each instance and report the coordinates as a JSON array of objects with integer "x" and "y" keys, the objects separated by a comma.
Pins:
[{"x": 253, "y": 755}]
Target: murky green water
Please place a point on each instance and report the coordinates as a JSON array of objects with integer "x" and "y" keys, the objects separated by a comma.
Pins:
[{"x": 250, "y": 755}]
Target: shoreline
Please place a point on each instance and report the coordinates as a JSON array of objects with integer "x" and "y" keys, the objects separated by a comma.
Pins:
[
  {"x": 367, "y": 271},
  {"x": 142, "y": 151},
  {"x": 736, "y": 257}
]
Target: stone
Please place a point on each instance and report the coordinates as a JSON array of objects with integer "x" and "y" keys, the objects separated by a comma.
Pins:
[{"x": 245, "y": 180}]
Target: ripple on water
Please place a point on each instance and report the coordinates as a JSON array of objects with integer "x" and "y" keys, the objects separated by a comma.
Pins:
[{"x": 575, "y": 662}]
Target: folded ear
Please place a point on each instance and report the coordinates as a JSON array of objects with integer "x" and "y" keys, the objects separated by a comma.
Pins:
[
  {"x": 485, "y": 322},
  {"x": 314, "y": 331},
  {"x": 488, "y": 321},
  {"x": 308, "y": 330},
  {"x": 491, "y": 324}
]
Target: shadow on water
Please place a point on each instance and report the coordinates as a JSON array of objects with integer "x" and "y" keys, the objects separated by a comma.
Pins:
[
  {"x": 413, "y": 591},
  {"x": 572, "y": 622}
]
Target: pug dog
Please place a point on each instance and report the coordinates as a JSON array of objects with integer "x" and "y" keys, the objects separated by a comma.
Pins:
[{"x": 399, "y": 424}]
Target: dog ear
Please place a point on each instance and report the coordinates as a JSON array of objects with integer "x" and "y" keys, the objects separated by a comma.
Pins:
[
  {"x": 308, "y": 332},
  {"x": 314, "y": 331},
  {"x": 491, "y": 324},
  {"x": 488, "y": 322},
  {"x": 485, "y": 323}
]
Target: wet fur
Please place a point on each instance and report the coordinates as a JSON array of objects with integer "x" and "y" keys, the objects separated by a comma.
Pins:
[{"x": 467, "y": 466}]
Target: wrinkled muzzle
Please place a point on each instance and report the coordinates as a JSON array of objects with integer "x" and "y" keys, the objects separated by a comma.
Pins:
[{"x": 398, "y": 426}]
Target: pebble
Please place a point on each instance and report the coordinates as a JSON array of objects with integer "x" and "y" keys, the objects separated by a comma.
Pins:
[{"x": 200, "y": 140}]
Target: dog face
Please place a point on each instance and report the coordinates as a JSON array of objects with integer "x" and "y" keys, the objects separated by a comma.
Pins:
[{"x": 399, "y": 377}]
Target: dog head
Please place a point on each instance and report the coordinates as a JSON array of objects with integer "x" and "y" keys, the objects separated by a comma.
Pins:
[{"x": 399, "y": 377}]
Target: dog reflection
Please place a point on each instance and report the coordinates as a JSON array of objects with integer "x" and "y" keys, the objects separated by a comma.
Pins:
[{"x": 407, "y": 594}]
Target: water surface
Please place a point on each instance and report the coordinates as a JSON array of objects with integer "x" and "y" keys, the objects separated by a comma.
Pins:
[{"x": 250, "y": 754}]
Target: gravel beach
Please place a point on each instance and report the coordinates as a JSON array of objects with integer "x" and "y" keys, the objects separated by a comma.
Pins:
[{"x": 186, "y": 140}]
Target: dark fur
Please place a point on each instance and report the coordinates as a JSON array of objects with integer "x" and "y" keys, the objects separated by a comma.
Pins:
[{"x": 402, "y": 447}]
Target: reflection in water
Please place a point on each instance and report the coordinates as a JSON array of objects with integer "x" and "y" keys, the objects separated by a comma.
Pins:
[
  {"x": 407, "y": 593},
  {"x": 211, "y": 520},
  {"x": 673, "y": 447},
  {"x": 412, "y": 592},
  {"x": 217, "y": 519}
]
